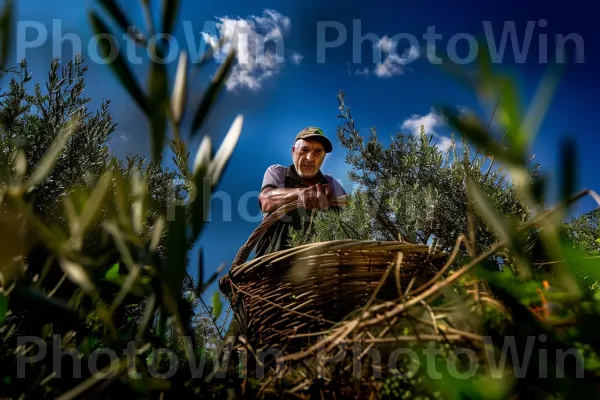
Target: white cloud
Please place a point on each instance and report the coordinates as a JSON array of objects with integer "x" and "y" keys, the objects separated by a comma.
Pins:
[
  {"x": 388, "y": 68},
  {"x": 259, "y": 42},
  {"x": 432, "y": 123},
  {"x": 296, "y": 58},
  {"x": 444, "y": 143},
  {"x": 392, "y": 64}
]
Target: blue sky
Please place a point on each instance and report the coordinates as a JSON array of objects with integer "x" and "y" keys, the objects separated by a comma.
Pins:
[{"x": 279, "y": 99}]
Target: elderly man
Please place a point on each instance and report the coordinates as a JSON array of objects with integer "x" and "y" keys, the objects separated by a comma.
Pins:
[{"x": 302, "y": 180}]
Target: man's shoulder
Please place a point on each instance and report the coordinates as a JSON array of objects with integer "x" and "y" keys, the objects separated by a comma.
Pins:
[
  {"x": 274, "y": 176},
  {"x": 337, "y": 186},
  {"x": 276, "y": 168},
  {"x": 330, "y": 178}
]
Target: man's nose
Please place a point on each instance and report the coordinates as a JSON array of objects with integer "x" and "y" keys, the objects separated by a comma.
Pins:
[{"x": 310, "y": 156}]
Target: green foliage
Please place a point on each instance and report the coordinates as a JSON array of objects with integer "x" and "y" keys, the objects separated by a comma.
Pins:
[
  {"x": 584, "y": 232},
  {"x": 411, "y": 189},
  {"x": 486, "y": 189},
  {"x": 95, "y": 250},
  {"x": 32, "y": 121}
]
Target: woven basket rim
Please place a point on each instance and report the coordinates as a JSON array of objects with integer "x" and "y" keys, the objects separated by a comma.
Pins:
[{"x": 298, "y": 254}]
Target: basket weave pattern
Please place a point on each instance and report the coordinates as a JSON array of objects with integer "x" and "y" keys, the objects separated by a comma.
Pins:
[{"x": 283, "y": 296}]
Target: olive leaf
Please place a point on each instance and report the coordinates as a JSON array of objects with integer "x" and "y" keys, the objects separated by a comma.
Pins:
[{"x": 210, "y": 97}]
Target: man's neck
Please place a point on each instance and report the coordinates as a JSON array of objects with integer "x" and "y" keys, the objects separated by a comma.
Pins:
[{"x": 310, "y": 181}]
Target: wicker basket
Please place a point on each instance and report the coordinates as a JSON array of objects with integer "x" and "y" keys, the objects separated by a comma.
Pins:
[{"x": 281, "y": 297}]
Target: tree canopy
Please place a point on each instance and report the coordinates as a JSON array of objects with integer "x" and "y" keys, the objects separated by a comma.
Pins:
[{"x": 413, "y": 190}]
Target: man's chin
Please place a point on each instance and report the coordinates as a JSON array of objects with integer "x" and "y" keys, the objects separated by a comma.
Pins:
[{"x": 307, "y": 173}]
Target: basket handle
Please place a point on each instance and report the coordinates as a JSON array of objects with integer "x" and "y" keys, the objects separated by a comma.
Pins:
[{"x": 246, "y": 249}]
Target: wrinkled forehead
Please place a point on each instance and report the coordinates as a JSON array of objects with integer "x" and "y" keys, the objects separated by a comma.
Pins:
[{"x": 309, "y": 143}]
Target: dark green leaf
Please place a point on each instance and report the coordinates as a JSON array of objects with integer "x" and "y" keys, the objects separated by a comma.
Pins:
[
  {"x": 122, "y": 192},
  {"x": 541, "y": 101},
  {"x": 113, "y": 272},
  {"x": 504, "y": 227},
  {"x": 473, "y": 129},
  {"x": 208, "y": 54},
  {"x": 117, "y": 13},
  {"x": 3, "y": 307},
  {"x": 217, "y": 305},
  {"x": 484, "y": 62},
  {"x": 200, "y": 268},
  {"x": 174, "y": 269},
  {"x": 93, "y": 205},
  {"x": 161, "y": 326},
  {"x": 525, "y": 290},
  {"x": 567, "y": 168},
  {"x": 147, "y": 317},
  {"x": 580, "y": 264},
  {"x": 119, "y": 66},
  {"x": 200, "y": 204},
  {"x": 498, "y": 223},
  {"x": 6, "y": 30},
  {"x": 212, "y": 93},
  {"x": 158, "y": 107},
  {"x": 56, "y": 309},
  {"x": 170, "y": 9},
  {"x": 511, "y": 115}
]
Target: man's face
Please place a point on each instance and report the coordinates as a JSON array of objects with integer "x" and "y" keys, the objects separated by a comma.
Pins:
[{"x": 308, "y": 156}]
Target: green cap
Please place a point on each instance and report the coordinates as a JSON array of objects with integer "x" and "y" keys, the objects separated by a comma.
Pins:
[{"x": 315, "y": 133}]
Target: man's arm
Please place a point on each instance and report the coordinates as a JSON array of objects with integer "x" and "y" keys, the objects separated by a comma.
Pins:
[
  {"x": 315, "y": 196},
  {"x": 272, "y": 198},
  {"x": 273, "y": 180}
]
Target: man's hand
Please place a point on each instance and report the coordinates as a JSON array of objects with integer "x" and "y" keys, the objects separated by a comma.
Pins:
[{"x": 316, "y": 196}]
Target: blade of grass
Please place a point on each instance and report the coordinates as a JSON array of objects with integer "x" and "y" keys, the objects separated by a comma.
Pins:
[
  {"x": 174, "y": 269},
  {"x": 212, "y": 93},
  {"x": 217, "y": 306},
  {"x": 119, "y": 66},
  {"x": 3, "y": 307},
  {"x": 179, "y": 94},
  {"x": 503, "y": 227},
  {"x": 202, "y": 158},
  {"x": 541, "y": 101},
  {"x": 219, "y": 162},
  {"x": 170, "y": 9},
  {"x": 121, "y": 202},
  {"x": 77, "y": 275},
  {"x": 50, "y": 157},
  {"x": 201, "y": 203},
  {"x": 474, "y": 130},
  {"x": 6, "y": 30},
  {"x": 94, "y": 203},
  {"x": 116, "y": 12},
  {"x": 568, "y": 169},
  {"x": 158, "y": 107},
  {"x": 510, "y": 115}
]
